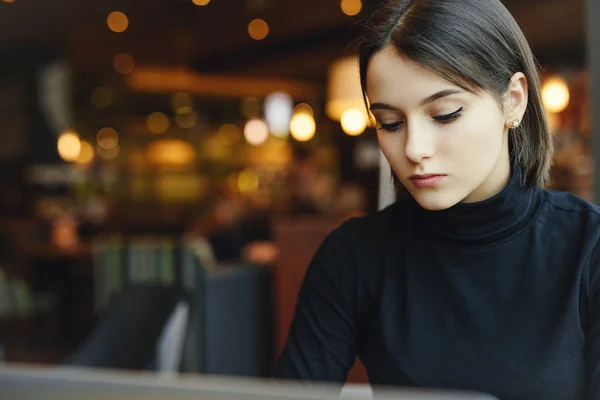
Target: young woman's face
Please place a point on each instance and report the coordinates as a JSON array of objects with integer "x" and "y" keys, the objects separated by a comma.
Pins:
[{"x": 445, "y": 144}]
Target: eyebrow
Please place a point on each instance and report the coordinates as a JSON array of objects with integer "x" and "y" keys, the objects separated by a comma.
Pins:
[{"x": 430, "y": 99}]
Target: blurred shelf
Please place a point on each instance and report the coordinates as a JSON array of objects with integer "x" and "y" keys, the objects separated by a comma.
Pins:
[{"x": 51, "y": 251}]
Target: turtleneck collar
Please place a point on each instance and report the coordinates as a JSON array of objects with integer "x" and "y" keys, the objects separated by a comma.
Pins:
[{"x": 489, "y": 221}]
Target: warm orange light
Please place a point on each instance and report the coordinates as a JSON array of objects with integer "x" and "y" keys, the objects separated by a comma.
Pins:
[
  {"x": 555, "y": 94},
  {"x": 354, "y": 121},
  {"x": 247, "y": 181},
  {"x": 343, "y": 88},
  {"x": 258, "y": 29},
  {"x": 229, "y": 134},
  {"x": 117, "y": 21},
  {"x": 186, "y": 117},
  {"x": 9, "y": 1},
  {"x": 351, "y": 7},
  {"x": 302, "y": 125},
  {"x": 107, "y": 138},
  {"x": 86, "y": 155},
  {"x": 69, "y": 146},
  {"x": 554, "y": 122},
  {"x": 171, "y": 153},
  {"x": 124, "y": 63},
  {"x": 158, "y": 122},
  {"x": 201, "y": 2},
  {"x": 110, "y": 154}
]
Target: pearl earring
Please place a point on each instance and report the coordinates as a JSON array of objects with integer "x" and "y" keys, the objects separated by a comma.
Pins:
[{"x": 515, "y": 124}]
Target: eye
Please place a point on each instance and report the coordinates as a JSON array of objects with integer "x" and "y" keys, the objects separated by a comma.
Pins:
[
  {"x": 393, "y": 127},
  {"x": 445, "y": 119}
]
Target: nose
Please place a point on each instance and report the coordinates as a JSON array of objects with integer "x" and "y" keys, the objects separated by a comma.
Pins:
[{"x": 420, "y": 144}]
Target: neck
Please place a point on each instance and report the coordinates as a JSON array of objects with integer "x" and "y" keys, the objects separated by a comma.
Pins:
[{"x": 492, "y": 219}]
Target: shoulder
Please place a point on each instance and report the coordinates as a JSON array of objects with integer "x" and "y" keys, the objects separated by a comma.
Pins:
[
  {"x": 575, "y": 220},
  {"x": 571, "y": 212},
  {"x": 568, "y": 203},
  {"x": 582, "y": 218}
]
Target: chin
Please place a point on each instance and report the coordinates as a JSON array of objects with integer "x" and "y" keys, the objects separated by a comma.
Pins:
[{"x": 435, "y": 201}]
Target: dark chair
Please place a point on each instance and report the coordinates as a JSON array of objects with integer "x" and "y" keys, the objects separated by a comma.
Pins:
[
  {"x": 225, "y": 314},
  {"x": 231, "y": 324},
  {"x": 126, "y": 337}
]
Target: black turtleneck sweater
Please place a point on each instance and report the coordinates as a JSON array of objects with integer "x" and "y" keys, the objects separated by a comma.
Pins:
[{"x": 500, "y": 296}]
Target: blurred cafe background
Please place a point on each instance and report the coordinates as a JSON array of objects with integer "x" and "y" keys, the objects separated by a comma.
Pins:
[{"x": 169, "y": 167}]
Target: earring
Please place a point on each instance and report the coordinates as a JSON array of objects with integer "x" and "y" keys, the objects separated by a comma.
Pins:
[{"x": 515, "y": 124}]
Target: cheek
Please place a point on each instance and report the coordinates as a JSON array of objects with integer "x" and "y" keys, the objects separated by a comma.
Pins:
[
  {"x": 473, "y": 138},
  {"x": 392, "y": 146}
]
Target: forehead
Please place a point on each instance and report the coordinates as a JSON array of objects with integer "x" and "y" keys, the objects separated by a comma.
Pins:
[{"x": 393, "y": 78}]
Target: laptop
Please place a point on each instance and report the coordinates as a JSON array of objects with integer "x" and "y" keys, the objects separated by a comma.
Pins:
[{"x": 25, "y": 382}]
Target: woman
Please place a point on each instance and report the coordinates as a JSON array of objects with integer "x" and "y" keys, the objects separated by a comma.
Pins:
[{"x": 480, "y": 280}]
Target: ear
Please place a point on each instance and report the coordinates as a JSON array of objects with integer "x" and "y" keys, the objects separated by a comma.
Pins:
[{"x": 516, "y": 100}]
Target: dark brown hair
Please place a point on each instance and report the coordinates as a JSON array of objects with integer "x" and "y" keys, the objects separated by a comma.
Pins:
[{"x": 476, "y": 45}]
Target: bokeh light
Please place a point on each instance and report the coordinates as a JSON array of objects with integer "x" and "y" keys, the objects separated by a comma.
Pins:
[
  {"x": 86, "y": 154},
  {"x": 354, "y": 122},
  {"x": 107, "y": 138},
  {"x": 158, "y": 122},
  {"x": 256, "y": 132},
  {"x": 229, "y": 134},
  {"x": 258, "y": 29},
  {"x": 279, "y": 107},
  {"x": 186, "y": 117},
  {"x": 117, "y": 21},
  {"x": 124, "y": 63},
  {"x": 247, "y": 181},
  {"x": 302, "y": 125},
  {"x": 555, "y": 95},
  {"x": 351, "y": 7},
  {"x": 171, "y": 153},
  {"x": 69, "y": 146},
  {"x": 109, "y": 154}
]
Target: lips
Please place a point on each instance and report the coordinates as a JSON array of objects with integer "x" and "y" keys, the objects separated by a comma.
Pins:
[
  {"x": 426, "y": 180},
  {"x": 425, "y": 176}
]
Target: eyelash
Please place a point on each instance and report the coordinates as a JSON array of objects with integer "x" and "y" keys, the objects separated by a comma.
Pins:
[{"x": 442, "y": 119}]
